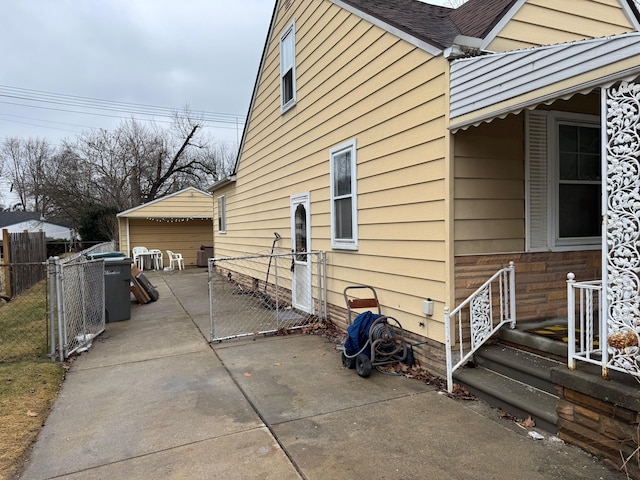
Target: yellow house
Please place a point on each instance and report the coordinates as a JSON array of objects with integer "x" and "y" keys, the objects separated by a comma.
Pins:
[
  {"x": 430, "y": 147},
  {"x": 180, "y": 222}
]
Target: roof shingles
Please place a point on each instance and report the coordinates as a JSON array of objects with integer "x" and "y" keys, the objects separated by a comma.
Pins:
[{"x": 433, "y": 24}]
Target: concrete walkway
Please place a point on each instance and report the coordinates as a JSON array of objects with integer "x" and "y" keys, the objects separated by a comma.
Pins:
[{"x": 152, "y": 399}]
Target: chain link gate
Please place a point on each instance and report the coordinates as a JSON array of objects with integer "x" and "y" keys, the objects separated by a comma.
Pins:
[
  {"x": 261, "y": 294},
  {"x": 77, "y": 299}
]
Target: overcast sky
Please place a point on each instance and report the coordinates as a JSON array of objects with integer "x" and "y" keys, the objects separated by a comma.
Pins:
[{"x": 150, "y": 53}]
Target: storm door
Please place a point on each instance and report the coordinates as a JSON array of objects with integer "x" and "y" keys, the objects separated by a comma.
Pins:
[{"x": 302, "y": 298}]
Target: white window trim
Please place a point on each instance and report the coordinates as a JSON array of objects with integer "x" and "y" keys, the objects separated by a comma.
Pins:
[
  {"x": 222, "y": 214},
  {"x": 554, "y": 120},
  {"x": 290, "y": 30},
  {"x": 340, "y": 243}
]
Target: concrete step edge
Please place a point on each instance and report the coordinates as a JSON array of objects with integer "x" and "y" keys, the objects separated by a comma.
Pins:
[{"x": 538, "y": 403}]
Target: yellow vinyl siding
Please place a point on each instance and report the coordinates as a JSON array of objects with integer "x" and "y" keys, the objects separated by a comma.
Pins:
[
  {"x": 188, "y": 204},
  {"x": 354, "y": 81},
  {"x": 548, "y": 22},
  {"x": 489, "y": 188},
  {"x": 184, "y": 237}
]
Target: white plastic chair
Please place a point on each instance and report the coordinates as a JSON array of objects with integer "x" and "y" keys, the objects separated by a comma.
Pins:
[
  {"x": 156, "y": 257},
  {"x": 175, "y": 258},
  {"x": 137, "y": 258}
]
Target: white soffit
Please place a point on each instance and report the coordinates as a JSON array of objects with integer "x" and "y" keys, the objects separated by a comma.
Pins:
[{"x": 494, "y": 85}]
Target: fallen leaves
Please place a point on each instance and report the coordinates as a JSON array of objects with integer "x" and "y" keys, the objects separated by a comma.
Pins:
[
  {"x": 31, "y": 413},
  {"x": 527, "y": 422}
]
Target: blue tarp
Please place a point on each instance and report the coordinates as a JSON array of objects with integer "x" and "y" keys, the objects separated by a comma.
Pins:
[{"x": 358, "y": 333}]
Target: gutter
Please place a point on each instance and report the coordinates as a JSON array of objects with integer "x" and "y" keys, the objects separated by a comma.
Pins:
[{"x": 221, "y": 183}]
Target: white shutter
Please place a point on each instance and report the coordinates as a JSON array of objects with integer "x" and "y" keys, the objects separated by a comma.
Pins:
[{"x": 537, "y": 181}]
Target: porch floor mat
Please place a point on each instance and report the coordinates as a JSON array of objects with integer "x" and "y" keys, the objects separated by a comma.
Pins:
[{"x": 557, "y": 332}]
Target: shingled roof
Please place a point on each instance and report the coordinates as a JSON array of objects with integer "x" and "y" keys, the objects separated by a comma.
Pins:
[
  {"x": 476, "y": 18},
  {"x": 436, "y": 25}
]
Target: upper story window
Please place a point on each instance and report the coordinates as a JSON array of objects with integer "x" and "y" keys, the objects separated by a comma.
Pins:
[
  {"x": 288, "y": 68},
  {"x": 344, "y": 208},
  {"x": 222, "y": 214}
]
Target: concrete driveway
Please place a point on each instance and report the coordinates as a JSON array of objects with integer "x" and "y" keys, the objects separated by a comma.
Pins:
[{"x": 152, "y": 399}]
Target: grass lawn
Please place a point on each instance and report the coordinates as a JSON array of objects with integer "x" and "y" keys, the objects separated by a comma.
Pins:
[{"x": 29, "y": 381}]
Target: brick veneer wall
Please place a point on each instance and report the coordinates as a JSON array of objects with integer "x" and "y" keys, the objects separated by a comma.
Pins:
[{"x": 541, "y": 288}]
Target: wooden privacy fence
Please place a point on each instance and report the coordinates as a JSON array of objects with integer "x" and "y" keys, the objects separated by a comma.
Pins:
[{"x": 22, "y": 249}]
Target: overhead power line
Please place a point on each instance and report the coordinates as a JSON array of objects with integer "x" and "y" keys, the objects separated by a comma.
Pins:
[{"x": 89, "y": 106}]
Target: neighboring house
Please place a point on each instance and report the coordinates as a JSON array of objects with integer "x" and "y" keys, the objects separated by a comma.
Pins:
[
  {"x": 430, "y": 147},
  {"x": 19, "y": 222},
  {"x": 180, "y": 222}
]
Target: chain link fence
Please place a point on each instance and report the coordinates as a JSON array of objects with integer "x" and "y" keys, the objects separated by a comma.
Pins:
[
  {"x": 24, "y": 326},
  {"x": 261, "y": 294},
  {"x": 62, "y": 311}
]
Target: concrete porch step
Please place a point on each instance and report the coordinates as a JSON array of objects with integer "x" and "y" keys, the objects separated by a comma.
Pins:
[
  {"x": 516, "y": 381},
  {"x": 535, "y": 343},
  {"x": 525, "y": 367}
]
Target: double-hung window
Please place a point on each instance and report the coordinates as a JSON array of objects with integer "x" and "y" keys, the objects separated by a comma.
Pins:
[
  {"x": 578, "y": 200},
  {"x": 222, "y": 214},
  {"x": 288, "y": 68},
  {"x": 564, "y": 181},
  {"x": 344, "y": 208}
]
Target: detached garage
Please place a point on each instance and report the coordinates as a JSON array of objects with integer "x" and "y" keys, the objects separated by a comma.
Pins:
[{"x": 180, "y": 222}]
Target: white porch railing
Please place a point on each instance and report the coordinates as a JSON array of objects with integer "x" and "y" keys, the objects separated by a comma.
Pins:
[
  {"x": 585, "y": 323},
  {"x": 487, "y": 310},
  {"x": 591, "y": 338}
]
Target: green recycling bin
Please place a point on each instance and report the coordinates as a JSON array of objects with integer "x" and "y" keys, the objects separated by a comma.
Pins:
[{"x": 117, "y": 288}]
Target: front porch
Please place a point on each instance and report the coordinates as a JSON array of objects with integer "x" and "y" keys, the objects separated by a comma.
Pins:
[{"x": 536, "y": 370}]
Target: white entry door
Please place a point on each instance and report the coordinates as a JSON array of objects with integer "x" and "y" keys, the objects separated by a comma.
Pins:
[{"x": 302, "y": 294}]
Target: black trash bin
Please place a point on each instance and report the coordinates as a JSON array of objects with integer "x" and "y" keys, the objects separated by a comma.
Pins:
[{"x": 117, "y": 288}]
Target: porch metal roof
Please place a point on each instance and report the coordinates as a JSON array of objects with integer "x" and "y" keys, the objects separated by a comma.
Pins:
[{"x": 494, "y": 85}]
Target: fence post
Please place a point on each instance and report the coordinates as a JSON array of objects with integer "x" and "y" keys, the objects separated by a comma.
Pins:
[
  {"x": 210, "y": 269},
  {"x": 52, "y": 307},
  {"x": 571, "y": 321},
  {"x": 6, "y": 259}
]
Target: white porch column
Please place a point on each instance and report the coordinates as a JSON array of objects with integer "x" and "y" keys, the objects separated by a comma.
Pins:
[{"x": 620, "y": 312}]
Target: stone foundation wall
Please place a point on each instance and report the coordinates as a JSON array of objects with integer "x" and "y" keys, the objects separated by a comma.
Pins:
[
  {"x": 541, "y": 278},
  {"x": 600, "y": 416}
]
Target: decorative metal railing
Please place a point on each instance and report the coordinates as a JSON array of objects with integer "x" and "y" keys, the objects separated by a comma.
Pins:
[
  {"x": 620, "y": 305},
  {"x": 477, "y": 318}
]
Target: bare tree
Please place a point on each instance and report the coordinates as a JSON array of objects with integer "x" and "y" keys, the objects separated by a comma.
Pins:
[
  {"x": 102, "y": 172},
  {"x": 27, "y": 164}
]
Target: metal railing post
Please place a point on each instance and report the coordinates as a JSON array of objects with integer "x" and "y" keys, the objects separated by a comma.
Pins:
[
  {"x": 571, "y": 321},
  {"x": 447, "y": 336},
  {"x": 512, "y": 293}
]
